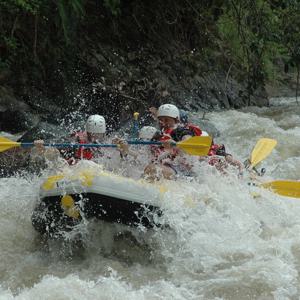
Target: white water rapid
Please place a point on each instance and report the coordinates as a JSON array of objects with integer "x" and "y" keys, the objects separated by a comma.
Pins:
[{"x": 223, "y": 242}]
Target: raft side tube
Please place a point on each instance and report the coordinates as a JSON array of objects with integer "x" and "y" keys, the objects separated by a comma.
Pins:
[{"x": 49, "y": 214}]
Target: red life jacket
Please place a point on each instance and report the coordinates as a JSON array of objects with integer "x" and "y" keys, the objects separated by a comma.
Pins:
[
  {"x": 213, "y": 150},
  {"x": 81, "y": 152},
  {"x": 194, "y": 128},
  {"x": 216, "y": 152},
  {"x": 216, "y": 149},
  {"x": 166, "y": 134},
  {"x": 159, "y": 150}
]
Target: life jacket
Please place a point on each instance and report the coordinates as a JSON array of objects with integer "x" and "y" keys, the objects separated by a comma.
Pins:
[
  {"x": 175, "y": 134},
  {"x": 216, "y": 153},
  {"x": 195, "y": 129},
  {"x": 166, "y": 134},
  {"x": 179, "y": 132},
  {"x": 158, "y": 151},
  {"x": 81, "y": 152},
  {"x": 73, "y": 155},
  {"x": 216, "y": 149}
]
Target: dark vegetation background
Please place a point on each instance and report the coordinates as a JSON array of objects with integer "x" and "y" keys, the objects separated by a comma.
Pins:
[{"x": 114, "y": 57}]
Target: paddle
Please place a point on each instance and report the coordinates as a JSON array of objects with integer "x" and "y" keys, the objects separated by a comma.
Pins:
[
  {"x": 196, "y": 145},
  {"x": 261, "y": 150},
  {"x": 288, "y": 188}
]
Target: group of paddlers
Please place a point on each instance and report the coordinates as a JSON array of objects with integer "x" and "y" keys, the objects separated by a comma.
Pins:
[{"x": 165, "y": 159}]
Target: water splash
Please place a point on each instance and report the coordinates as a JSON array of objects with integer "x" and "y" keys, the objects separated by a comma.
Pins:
[{"x": 221, "y": 241}]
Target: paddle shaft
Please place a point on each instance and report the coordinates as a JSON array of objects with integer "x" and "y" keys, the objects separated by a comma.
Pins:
[
  {"x": 195, "y": 145},
  {"x": 70, "y": 145}
]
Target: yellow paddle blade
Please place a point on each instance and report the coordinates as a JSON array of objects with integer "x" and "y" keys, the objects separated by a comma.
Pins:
[
  {"x": 261, "y": 150},
  {"x": 286, "y": 188},
  {"x": 196, "y": 145},
  {"x": 6, "y": 144}
]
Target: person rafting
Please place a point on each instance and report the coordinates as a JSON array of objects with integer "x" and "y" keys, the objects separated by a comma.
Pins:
[
  {"x": 220, "y": 159},
  {"x": 167, "y": 160},
  {"x": 162, "y": 157},
  {"x": 146, "y": 133},
  {"x": 134, "y": 160},
  {"x": 217, "y": 155},
  {"x": 183, "y": 121},
  {"x": 95, "y": 130}
]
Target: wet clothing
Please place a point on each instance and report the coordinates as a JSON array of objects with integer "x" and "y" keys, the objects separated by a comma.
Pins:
[
  {"x": 178, "y": 133},
  {"x": 168, "y": 157},
  {"x": 82, "y": 153},
  {"x": 219, "y": 150},
  {"x": 216, "y": 154},
  {"x": 159, "y": 152},
  {"x": 194, "y": 128},
  {"x": 72, "y": 155}
]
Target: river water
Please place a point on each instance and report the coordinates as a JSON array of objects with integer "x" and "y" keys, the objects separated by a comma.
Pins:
[{"x": 223, "y": 242}]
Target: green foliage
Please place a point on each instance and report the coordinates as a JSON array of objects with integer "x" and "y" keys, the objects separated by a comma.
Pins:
[
  {"x": 31, "y": 6},
  {"x": 113, "y": 6},
  {"x": 70, "y": 11},
  {"x": 251, "y": 38},
  {"x": 231, "y": 40},
  {"x": 250, "y": 32},
  {"x": 290, "y": 34}
]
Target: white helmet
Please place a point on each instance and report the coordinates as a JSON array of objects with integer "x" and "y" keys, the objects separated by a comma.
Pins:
[
  {"x": 204, "y": 133},
  {"x": 95, "y": 124},
  {"x": 147, "y": 132},
  {"x": 168, "y": 110}
]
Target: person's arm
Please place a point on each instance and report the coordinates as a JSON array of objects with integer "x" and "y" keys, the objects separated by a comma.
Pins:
[
  {"x": 153, "y": 112},
  {"x": 123, "y": 148},
  {"x": 48, "y": 152},
  {"x": 39, "y": 146}
]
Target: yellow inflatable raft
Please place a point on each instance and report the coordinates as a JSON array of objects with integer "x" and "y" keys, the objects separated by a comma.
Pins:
[{"x": 67, "y": 198}]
